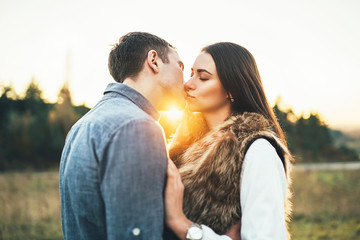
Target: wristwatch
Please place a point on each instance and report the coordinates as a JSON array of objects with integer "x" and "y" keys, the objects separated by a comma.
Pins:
[{"x": 194, "y": 232}]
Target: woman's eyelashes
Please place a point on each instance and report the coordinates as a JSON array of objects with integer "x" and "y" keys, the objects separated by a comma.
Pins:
[{"x": 202, "y": 78}]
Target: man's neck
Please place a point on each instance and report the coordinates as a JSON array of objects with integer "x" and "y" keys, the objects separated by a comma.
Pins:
[{"x": 145, "y": 88}]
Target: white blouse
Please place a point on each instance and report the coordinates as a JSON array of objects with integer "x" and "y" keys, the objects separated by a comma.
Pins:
[{"x": 262, "y": 196}]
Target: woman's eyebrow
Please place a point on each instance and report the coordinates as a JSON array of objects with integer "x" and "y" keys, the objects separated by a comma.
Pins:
[{"x": 201, "y": 70}]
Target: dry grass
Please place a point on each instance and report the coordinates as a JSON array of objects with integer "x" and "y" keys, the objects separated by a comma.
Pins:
[
  {"x": 326, "y": 205},
  {"x": 29, "y": 206}
]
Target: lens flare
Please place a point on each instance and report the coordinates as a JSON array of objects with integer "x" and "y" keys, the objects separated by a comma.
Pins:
[{"x": 174, "y": 114}]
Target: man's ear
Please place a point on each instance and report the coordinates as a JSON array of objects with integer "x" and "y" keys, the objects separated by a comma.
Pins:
[{"x": 153, "y": 60}]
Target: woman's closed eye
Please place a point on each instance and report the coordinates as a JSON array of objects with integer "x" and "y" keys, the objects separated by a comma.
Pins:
[{"x": 201, "y": 77}]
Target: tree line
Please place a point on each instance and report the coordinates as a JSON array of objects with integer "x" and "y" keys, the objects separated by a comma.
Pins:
[
  {"x": 311, "y": 140},
  {"x": 33, "y": 131}
]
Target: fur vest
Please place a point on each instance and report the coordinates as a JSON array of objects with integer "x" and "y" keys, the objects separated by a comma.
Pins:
[{"x": 210, "y": 164}]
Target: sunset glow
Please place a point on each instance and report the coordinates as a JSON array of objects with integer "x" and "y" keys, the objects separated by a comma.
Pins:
[{"x": 173, "y": 114}]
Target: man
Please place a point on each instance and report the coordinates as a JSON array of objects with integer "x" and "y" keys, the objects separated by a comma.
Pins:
[{"x": 113, "y": 165}]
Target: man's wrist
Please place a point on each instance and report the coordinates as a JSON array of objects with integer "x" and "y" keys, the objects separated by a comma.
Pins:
[
  {"x": 195, "y": 232},
  {"x": 180, "y": 227}
]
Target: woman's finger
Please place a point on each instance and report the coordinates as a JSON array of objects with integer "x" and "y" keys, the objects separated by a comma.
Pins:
[{"x": 234, "y": 231}]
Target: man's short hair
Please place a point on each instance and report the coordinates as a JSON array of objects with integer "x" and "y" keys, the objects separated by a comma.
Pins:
[{"x": 127, "y": 57}]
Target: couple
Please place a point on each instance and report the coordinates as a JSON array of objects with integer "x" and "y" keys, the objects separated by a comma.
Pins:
[{"x": 225, "y": 176}]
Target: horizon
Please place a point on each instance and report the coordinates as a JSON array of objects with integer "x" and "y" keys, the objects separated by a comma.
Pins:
[
  {"x": 281, "y": 104},
  {"x": 307, "y": 52}
]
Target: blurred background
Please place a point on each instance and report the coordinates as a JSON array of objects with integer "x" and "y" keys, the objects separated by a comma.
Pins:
[{"x": 53, "y": 69}]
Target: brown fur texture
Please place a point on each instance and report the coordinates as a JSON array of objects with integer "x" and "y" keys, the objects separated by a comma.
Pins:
[{"x": 210, "y": 164}]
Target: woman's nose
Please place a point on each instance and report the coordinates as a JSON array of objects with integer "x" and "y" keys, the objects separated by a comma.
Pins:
[{"x": 189, "y": 85}]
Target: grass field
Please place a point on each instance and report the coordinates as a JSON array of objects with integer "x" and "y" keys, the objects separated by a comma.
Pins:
[
  {"x": 326, "y": 205},
  {"x": 29, "y": 206}
]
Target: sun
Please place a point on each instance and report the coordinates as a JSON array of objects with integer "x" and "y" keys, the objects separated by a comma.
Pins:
[{"x": 173, "y": 114}]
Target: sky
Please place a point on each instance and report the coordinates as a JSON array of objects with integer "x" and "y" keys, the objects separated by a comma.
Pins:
[{"x": 307, "y": 51}]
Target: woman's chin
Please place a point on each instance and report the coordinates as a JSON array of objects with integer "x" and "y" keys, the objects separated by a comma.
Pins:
[{"x": 192, "y": 107}]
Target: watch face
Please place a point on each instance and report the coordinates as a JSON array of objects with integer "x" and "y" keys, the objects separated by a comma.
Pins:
[{"x": 195, "y": 232}]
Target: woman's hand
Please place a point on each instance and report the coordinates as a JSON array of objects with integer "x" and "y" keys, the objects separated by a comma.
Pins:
[
  {"x": 174, "y": 193},
  {"x": 234, "y": 231}
]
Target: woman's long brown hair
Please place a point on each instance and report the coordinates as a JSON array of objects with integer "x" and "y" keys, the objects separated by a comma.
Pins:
[{"x": 239, "y": 75}]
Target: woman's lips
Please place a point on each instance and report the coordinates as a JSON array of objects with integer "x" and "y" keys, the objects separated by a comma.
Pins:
[{"x": 189, "y": 96}]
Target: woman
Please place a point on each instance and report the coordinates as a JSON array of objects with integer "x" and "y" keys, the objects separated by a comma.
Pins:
[{"x": 232, "y": 156}]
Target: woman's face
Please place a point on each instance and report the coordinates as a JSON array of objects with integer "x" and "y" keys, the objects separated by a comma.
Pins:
[{"x": 204, "y": 90}]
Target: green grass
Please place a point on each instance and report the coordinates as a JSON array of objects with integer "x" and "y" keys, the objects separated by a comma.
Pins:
[
  {"x": 326, "y": 205},
  {"x": 305, "y": 228}
]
